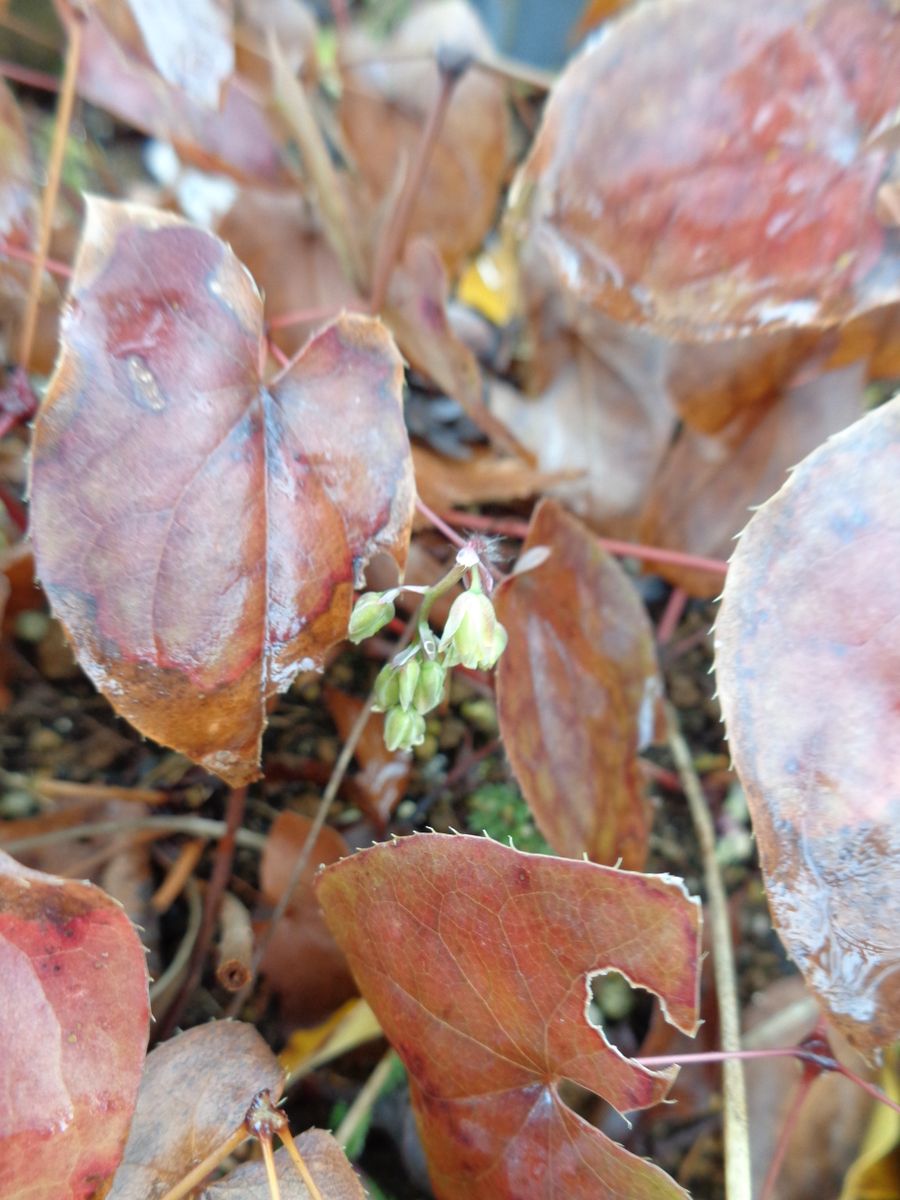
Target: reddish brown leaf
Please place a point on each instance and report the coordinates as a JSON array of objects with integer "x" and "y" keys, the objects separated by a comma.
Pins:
[
  {"x": 73, "y": 1030},
  {"x": 380, "y": 783},
  {"x": 384, "y": 105},
  {"x": 808, "y": 668},
  {"x": 195, "y": 1092},
  {"x": 302, "y": 963},
  {"x": 700, "y": 499},
  {"x": 476, "y": 960},
  {"x": 237, "y": 137},
  {"x": 577, "y": 693},
  {"x": 189, "y": 42},
  {"x": 445, "y": 483},
  {"x": 703, "y": 171},
  {"x": 325, "y": 1161},
  {"x": 198, "y": 533}
]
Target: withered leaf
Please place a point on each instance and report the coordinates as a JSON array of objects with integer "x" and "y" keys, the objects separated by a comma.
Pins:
[
  {"x": 808, "y": 667},
  {"x": 17, "y": 192},
  {"x": 577, "y": 692},
  {"x": 700, "y": 499},
  {"x": 476, "y": 959},
  {"x": 325, "y": 1161},
  {"x": 189, "y": 42},
  {"x": 380, "y": 783},
  {"x": 197, "y": 532},
  {"x": 195, "y": 1092},
  {"x": 236, "y": 137},
  {"x": 385, "y": 101},
  {"x": 74, "y": 1019}
]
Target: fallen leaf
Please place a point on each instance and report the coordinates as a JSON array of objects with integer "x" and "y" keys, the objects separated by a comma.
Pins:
[
  {"x": 807, "y": 666},
  {"x": 875, "y": 1173},
  {"x": 295, "y": 28},
  {"x": 325, "y": 1160},
  {"x": 417, "y": 315},
  {"x": 708, "y": 483},
  {"x": 236, "y": 138},
  {"x": 352, "y": 1025},
  {"x": 702, "y": 172},
  {"x": 195, "y": 1092},
  {"x": 74, "y": 1020},
  {"x": 302, "y": 963},
  {"x": 380, "y": 783},
  {"x": 604, "y": 418},
  {"x": 276, "y": 236},
  {"x": 198, "y": 533},
  {"x": 577, "y": 693},
  {"x": 476, "y": 959},
  {"x": 189, "y": 42},
  {"x": 446, "y": 483},
  {"x": 386, "y": 98}
]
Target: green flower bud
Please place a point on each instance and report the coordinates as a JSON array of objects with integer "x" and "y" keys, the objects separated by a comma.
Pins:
[
  {"x": 409, "y": 678},
  {"x": 403, "y": 729},
  {"x": 430, "y": 687},
  {"x": 370, "y": 613},
  {"x": 469, "y": 633},
  {"x": 386, "y": 692}
]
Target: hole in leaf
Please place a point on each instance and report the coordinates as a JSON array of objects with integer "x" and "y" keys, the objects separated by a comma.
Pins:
[{"x": 618, "y": 1009}]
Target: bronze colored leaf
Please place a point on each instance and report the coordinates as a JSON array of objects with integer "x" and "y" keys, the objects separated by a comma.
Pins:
[
  {"x": 198, "y": 533},
  {"x": 385, "y": 101},
  {"x": 325, "y": 1161},
  {"x": 74, "y": 1020},
  {"x": 476, "y": 960},
  {"x": 577, "y": 693},
  {"x": 195, "y": 1092},
  {"x": 703, "y": 171},
  {"x": 302, "y": 963},
  {"x": 808, "y": 667}
]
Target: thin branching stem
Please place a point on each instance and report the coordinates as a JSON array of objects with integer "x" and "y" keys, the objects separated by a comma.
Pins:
[
  {"x": 738, "y": 1177},
  {"x": 196, "y": 1176},
  {"x": 300, "y": 1165}
]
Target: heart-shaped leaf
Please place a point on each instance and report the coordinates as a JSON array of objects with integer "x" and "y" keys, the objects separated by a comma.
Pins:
[
  {"x": 476, "y": 959},
  {"x": 578, "y": 688},
  {"x": 197, "y": 532},
  {"x": 74, "y": 1018},
  {"x": 808, "y": 666}
]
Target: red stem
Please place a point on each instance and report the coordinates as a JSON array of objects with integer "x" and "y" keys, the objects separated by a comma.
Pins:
[
  {"x": 35, "y": 79},
  {"x": 801, "y": 1091},
  {"x": 672, "y": 614},
  {"x": 511, "y": 527},
  {"x": 7, "y": 250}
]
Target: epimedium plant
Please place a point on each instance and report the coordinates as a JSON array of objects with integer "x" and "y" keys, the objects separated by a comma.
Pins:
[{"x": 204, "y": 503}]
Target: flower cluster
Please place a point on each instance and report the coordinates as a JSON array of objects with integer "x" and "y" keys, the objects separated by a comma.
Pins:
[{"x": 413, "y": 683}]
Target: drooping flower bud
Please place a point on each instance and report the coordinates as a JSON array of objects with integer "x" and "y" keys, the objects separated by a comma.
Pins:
[
  {"x": 386, "y": 692},
  {"x": 498, "y": 645},
  {"x": 403, "y": 729},
  {"x": 469, "y": 633},
  {"x": 409, "y": 679},
  {"x": 370, "y": 613},
  {"x": 430, "y": 687}
]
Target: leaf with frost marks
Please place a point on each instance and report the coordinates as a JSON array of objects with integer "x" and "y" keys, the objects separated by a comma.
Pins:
[
  {"x": 808, "y": 663},
  {"x": 197, "y": 532},
  {"x": 476, "y": 960},
  {"x": 74, "y": 1018}
]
